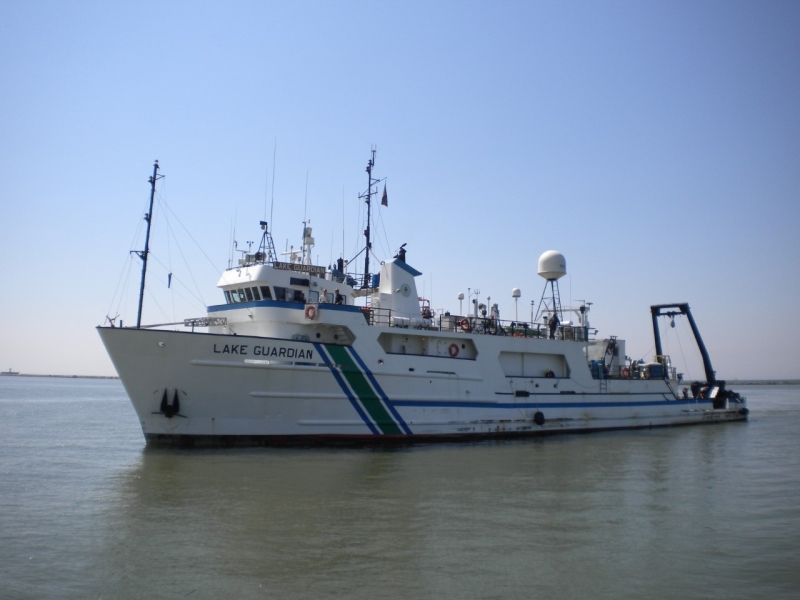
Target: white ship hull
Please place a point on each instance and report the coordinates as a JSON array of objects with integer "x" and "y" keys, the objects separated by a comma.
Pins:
[
  {"x": 242, "y": 389},
  {"x": 301, "y": 352}
]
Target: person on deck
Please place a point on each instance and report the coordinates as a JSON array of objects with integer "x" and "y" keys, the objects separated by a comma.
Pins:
[
  {"x": 338, "y": 298},
  {"x": 553, "y": 325}
]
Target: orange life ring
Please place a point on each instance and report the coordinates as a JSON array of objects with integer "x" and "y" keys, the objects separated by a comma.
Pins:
[
  {"x": 311, "y": 312},
  {"x": 453, "y": 350},
  {"x": 625, "y": 372},
  {"x": 465, "y": 326}
]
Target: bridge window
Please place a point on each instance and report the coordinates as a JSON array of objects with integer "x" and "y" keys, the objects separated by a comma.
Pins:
[
  {"x": 256, "y": 295},
  {"x": 265, "y": 292}
]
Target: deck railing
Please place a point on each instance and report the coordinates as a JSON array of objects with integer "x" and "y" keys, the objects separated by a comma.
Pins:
[{"x": 481, "y": 325}]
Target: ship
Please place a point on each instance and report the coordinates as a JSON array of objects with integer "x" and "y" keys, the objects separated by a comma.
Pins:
[{"x": 297, "y": 353}]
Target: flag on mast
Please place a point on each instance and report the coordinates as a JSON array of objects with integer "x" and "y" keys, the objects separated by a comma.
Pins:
[{"x": 384, "y": 198}]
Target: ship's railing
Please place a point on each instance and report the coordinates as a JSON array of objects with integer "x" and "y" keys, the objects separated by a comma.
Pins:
[
  {"x": 490, "y": 326},
  {"x": 655, "y": 370},
  {"x": 480, "y": 325}
]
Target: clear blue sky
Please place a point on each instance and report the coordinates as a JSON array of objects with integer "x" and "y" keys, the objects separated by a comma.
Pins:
[{"x": 657, "y": 145}]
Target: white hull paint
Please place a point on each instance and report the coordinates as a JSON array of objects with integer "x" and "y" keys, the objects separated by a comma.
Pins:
[{"x": 242, "y": 396}]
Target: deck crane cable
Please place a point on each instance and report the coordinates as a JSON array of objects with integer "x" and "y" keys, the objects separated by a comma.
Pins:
[
  {"x": 359, "y": 221},
  {"x": 153, "y": 298},
  {"x": 383, "y": 226},
  {"x": 211, "y": 262},
  {"x": 185, "y": 262},
  {"x": 683, "y": 356},
  {"x": 178, "y": 281},
  {"x": 698, "y": 357},
  {"x": 126, "y": 270},
  {"x": 356, "y": 250},
  {"x": 162, "y": 203},
  {"x": 650, "y": 352}
]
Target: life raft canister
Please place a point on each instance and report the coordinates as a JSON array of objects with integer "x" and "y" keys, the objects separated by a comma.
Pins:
[
  {"x": 453, "y": 350},
  {"x": 311, "y": 312}
]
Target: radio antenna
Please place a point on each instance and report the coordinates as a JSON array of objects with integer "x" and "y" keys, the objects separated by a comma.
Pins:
[{"x": 368, "y": 195}]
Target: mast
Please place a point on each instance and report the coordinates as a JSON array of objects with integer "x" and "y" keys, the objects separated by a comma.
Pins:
[
  {"x": 368, "y": 196},
  {"x": 143, "y": 254}
]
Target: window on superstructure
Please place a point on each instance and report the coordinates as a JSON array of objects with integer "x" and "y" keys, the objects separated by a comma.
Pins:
[
  {"x": 249, "y": 293},
  {"x": 266, "y": 293},
  {"x": 313, "y": 297},
  {"x": 240, "y": 294},
  {"x": 280, "y": 293},
  {"x": 228, "y": 297},
  {"x": 256, "y": 295}
]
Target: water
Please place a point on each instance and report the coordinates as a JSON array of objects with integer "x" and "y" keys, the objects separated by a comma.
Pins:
[{"x": 86, "y": 511}]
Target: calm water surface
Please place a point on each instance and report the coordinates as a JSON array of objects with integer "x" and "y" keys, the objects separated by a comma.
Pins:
[{"x": 86, "y": 511}]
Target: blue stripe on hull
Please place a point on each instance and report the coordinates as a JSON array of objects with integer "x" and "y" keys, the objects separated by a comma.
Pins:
[{"x": 463, "y": 404}]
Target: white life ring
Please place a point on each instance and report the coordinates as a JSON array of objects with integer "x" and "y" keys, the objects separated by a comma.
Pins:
[
  {"x": 465, "y": 326},
  {"x": 311, "y": 312},
  {"x": 453, "y": 350}
]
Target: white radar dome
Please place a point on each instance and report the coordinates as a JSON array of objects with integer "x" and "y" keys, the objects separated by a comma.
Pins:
[
  {"x": 552, "y": 265},
  {"x": 516, "y": 293}
]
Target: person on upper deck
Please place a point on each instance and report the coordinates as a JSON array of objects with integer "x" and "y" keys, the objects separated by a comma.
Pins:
[
  {"x": 338, "y": 298},
  {"x": 553, "y": 325}
]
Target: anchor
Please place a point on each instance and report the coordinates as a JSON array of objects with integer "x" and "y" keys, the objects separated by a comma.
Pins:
[{"x": 170, "y": 409}]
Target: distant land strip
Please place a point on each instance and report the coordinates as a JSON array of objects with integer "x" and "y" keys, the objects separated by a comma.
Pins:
[{"x": 61, "y": 376}]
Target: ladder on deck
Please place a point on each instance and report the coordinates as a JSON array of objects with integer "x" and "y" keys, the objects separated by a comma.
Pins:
[{"x": 272, "y": 256}]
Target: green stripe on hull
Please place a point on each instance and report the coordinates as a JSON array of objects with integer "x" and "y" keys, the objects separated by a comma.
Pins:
[{"x": 363, "y": 390}]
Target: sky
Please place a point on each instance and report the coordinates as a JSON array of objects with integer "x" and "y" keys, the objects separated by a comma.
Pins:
[{"x": 655, "y": 144}]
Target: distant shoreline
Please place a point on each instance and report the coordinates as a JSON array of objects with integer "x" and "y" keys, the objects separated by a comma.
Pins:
[
  {"x": 735, "y": 382},
  {"x": 63, "y": 376}
]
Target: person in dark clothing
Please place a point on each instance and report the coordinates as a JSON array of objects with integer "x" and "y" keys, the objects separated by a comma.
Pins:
[
  {"x": 338, "y": 298},
  {"x": 553, "y": 325}
]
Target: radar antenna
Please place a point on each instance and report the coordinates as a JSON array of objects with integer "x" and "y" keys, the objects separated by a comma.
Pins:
[{"x": 552, "y": 267}]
